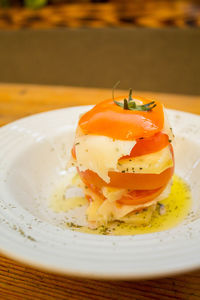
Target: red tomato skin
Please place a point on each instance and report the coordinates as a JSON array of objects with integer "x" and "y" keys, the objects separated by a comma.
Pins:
[{"x": 109, "y": 119}]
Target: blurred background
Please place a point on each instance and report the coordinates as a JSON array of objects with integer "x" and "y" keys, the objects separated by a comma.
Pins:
[{"x": 151, "y": 45}]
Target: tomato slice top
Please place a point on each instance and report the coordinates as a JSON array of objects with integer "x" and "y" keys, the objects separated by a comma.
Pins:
[
  {"x": 149, "y": 145},
  {"x": 109, "y": 119}
]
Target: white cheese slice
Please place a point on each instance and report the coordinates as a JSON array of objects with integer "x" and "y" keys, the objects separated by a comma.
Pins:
[
  {"x": 153, "y": 163},
  {"x": 100, "y": 154},
  {"x": 112, "y": 193},
  {"x": 104, "y": 211},
  {"x": 117, "y": 211}
]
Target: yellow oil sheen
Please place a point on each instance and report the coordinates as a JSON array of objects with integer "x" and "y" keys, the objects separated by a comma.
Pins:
[
  {"x": 58, "y": 202},
  {"x": 177, "y": 207}
]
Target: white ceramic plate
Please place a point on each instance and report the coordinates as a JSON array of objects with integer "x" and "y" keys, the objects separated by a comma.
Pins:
[{"x": 33, "y": 156}]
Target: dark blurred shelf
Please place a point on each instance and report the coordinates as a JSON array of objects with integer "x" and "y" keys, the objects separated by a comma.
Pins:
[{"x": 116, "y": 13}]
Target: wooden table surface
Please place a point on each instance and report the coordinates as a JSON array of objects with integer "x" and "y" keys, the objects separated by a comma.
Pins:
[{"x": 18, "y": 281}]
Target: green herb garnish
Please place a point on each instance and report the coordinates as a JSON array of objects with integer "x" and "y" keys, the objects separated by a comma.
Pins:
[{"x": 130, "y": 104}]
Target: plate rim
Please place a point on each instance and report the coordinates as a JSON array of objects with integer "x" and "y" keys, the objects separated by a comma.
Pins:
[{"x": 35, "y": 264}]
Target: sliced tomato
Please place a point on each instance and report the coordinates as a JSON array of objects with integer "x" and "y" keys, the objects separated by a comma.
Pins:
[
  {"x": 136, "y": 197},
  {"x": 131, "y": 181},
  {"x": 109, "y": 119},
  {"x": 149, "y": 145}
]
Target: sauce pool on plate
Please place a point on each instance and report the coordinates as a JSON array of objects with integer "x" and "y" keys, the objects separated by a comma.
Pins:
[{"x": 169, "y": 212}]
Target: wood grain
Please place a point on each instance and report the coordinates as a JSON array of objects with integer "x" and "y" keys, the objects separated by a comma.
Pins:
[
  {"x": 21, "y": 282},
  {"x": 18, "y": 281},
  {"x": 17, "y": 101}
]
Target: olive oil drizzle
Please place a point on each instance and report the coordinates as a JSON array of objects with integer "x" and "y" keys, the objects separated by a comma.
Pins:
[{"x": 177, "y": 207}]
